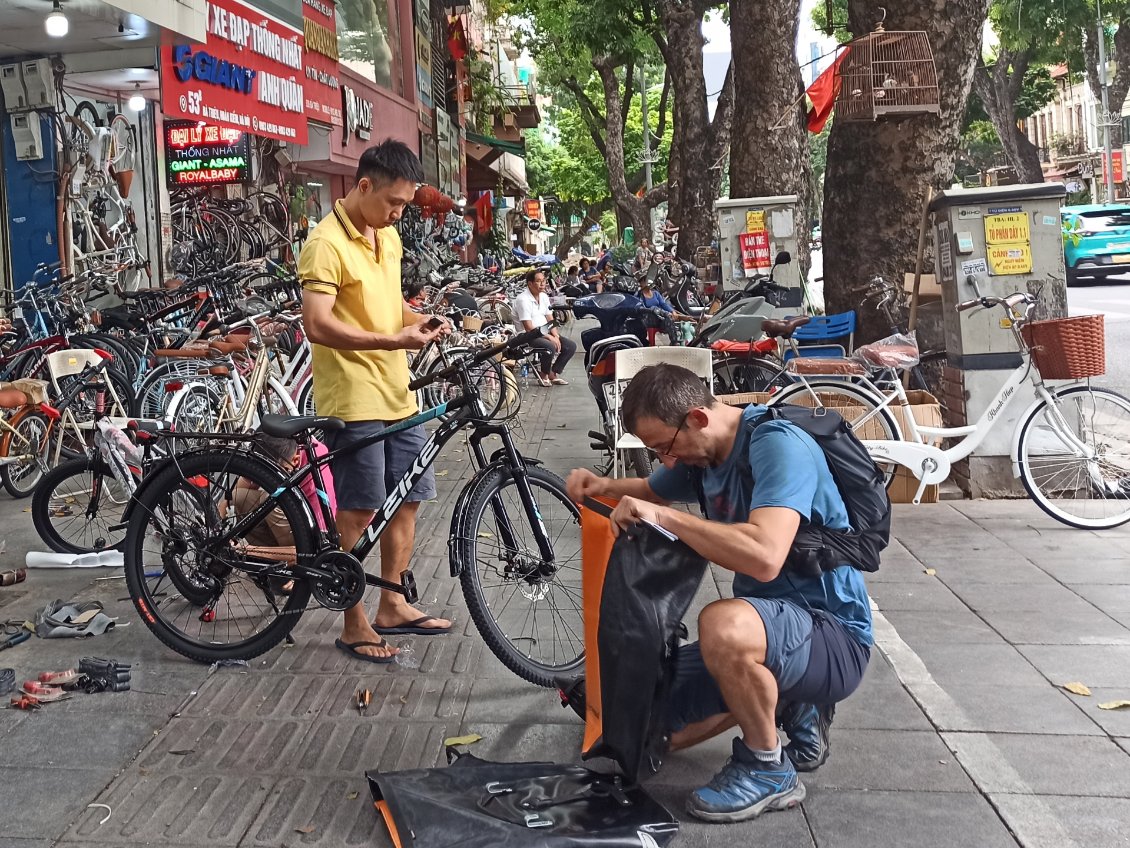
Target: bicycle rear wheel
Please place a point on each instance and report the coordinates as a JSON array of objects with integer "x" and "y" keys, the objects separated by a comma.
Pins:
[
  {"x": 527, "y": 610},
  {"x": 737, "y": 375},
  {"x": 76, "y": 504},
  {"x": 203, "y": 599},
  {"x": 1074, "y": 457},
  {"x": 858, "y": 406},
  {"x": 29, "y": 439}
]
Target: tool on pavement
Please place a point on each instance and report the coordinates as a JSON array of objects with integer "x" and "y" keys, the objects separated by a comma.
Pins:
[
  {"x": 99, "y": 675},
  {"x": 364, "y": 698}
]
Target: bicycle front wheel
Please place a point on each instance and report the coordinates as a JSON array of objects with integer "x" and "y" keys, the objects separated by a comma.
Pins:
[
  {"x": 77, "y": 507},
  {"x": 25, "y": 448},
  {"x": 1074, "y": 457},
  {"x": 204, "y": 599},
  {"x": 528, "y": 610}
]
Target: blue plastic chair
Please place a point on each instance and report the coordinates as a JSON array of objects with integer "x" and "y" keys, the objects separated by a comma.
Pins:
[{"x": 815, "y": 338}]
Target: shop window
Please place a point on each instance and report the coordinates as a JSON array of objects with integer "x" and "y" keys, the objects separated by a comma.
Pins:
[{"x": 368, "y": 41}]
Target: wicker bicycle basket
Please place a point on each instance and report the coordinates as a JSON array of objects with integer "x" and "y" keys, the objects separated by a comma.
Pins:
[{"x": 1067, "y": 348}]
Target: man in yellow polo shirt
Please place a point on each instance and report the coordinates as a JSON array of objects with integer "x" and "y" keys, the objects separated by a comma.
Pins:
[{"x": 359, "y": 328}]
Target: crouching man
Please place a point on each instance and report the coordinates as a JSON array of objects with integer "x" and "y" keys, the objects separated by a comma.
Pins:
[{"x": 786, "y": 648}]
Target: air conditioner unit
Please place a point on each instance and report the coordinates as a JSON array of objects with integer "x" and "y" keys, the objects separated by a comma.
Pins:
[
  {"x": 38, "y": 82},
  {"x": 11, "y": 80},
  {"x": 27, "y": 135}
]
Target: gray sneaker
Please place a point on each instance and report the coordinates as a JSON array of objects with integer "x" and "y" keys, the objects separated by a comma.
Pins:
[{"x": 807, "y": 727}]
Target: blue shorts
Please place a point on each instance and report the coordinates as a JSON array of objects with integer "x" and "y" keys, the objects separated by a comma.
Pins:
[
  {"x": 813, "y": 657},
  {"x": 363, "y": 478}
]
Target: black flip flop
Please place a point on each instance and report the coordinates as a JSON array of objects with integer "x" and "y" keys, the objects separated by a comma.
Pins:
[
  {"x": 351, "y": 649},
  {"x": 413, "y": 628}
]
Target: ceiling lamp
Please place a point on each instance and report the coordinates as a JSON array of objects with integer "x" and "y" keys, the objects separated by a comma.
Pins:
[
  {"x": 56, "y": 22},
  {"x": 137, "y": 99}
]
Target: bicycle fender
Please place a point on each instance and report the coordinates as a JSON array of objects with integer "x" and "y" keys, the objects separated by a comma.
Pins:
[{"x": 496, "y": 464}]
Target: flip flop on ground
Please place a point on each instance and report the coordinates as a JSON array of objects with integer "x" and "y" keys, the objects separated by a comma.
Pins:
[
  {"x": 414, "y": 628},
  {"x": 351, "y": 649}
]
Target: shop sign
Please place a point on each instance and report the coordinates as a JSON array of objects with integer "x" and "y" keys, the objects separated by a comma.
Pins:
[
  {"x": 199, "y": 154},
  {"x": 323, "y": 97},
  {"x": 248, "y": 75},
  {"x": 533, "y": 208},
  {"x": 423, "y": 68},
  {"x": 358, "y": 116}
]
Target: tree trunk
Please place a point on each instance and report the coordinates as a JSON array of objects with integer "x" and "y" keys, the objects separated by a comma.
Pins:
[
  {"x": 878, "y": 172},
  {"x": 699, "y": 160},
  {"x": 999, "y": 87},
  {"x": 591, "y": 216},
  {"x": 1118, "y": 87},
  {"x": 769, "y": 156}
]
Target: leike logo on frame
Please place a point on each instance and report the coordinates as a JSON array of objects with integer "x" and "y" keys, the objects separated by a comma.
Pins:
[{"x": 249, "y": 74}]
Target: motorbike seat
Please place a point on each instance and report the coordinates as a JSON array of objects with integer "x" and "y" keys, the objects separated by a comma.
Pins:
[{"x": 783, "y": 327}]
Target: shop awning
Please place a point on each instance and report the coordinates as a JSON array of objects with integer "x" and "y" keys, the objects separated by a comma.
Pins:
[{"x": 518, "y": 148}]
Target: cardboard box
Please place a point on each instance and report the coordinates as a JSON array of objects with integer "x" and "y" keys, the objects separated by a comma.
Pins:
[
  {"x": 927, "y": 413},
  {"x": 928, "y": 288}
]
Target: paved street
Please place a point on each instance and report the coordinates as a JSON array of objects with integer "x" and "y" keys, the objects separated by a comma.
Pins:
[
  {"x": 1110, "y": 297},
  {"x": 960, "y": 735}
]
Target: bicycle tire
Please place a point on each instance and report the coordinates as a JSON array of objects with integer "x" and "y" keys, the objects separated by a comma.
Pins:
[
  {"x": 1037, "y": 443},
  {"x": 739, "y": 374},
  {"x": 195, "y": 479},
  {"x": 469, "y": 535},
  {"x": 853, "y": 403},
  {"x": 20, "y": 479},
  {"x": 123, "y": 141},
  {"x": 639, "y": 460},
  {"x": 59, "y": 496}
]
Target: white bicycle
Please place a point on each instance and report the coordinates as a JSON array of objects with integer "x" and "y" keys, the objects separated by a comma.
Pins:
[{"x": 1070, "y": 449}]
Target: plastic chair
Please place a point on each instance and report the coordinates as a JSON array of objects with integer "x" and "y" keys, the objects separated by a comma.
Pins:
[
  {"x": 629, "y": 363},
  {"x": 815, "y": 338},
  {"x": 65, "y": 363}
]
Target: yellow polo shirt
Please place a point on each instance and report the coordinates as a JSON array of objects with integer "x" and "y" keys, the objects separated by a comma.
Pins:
[{"x": 338, "y": 259}]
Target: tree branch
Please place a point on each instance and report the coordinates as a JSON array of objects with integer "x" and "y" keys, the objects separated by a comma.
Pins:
[
  {"x": 590, "y": 114},
  {"x": 663, "y": 104},
  {"x": 626, "y": 103}
]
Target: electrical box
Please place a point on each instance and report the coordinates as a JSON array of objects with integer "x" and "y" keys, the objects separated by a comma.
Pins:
[
  {"x": 993, "y": 242},
  {"x": 27, "y": 135},
  {"x": 751, "y": 232},
  {"x": 38, "y": 82},
  {"x": 11, "y": 80}
]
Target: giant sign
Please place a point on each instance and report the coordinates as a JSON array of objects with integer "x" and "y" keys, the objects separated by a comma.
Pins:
[
  {"x": 248, "y": 75},
  {"x": 358, "y": 117},
  {"x": 198, "y": 154},
  {"x": 323, "y": 95}
]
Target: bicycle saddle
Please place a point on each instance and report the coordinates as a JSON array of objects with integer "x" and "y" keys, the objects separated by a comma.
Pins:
[
  {"x": 783, "y": 327},
  {"x": 289, "y": 426}
]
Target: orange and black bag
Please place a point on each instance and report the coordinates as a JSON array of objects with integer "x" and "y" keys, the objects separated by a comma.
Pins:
[{"x": 635, "y": 591}]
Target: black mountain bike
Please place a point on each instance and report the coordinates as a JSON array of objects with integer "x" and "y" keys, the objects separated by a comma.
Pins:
[{"x": 208, "y": 593}]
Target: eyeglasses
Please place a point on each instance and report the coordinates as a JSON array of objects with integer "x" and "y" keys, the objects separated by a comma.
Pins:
[{"x": 671, "y": 444}]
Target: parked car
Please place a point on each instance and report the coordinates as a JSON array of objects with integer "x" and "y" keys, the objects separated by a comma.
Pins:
[
  {"x": 1096, "y": 240},
  {"x": 816, "y": 239}
]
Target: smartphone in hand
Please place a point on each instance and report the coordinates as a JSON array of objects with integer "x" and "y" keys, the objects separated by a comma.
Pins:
[{"x": 434, "y": 323}]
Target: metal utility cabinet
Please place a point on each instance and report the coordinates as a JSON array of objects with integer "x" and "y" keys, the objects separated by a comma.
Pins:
[
  {"x": 993, "y": 241},
  {"x": 751, "y": 231}
]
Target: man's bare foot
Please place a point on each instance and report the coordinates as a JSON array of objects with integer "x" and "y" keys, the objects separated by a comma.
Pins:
[
  {"x": 406, "y": 616},
  {"x": 378, "y": 648}
]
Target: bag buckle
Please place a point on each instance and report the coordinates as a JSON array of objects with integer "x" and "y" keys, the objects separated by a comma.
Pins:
[
  {"x": 496, "y": 788},
  {"x": 536, "y": 820}
]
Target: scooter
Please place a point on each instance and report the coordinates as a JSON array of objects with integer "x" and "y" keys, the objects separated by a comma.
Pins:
[
  {"x": 624, "y": 322},
  {"x": 739, "y": 314}
]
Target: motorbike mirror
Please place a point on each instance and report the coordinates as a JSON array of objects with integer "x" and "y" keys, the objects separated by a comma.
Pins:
[{"x": 783, "y": 258}]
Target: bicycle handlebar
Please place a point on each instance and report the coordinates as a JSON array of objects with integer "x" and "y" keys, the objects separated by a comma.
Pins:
[
  {"x": 988, "y": 302},
  {"x": 518, "y": 341}
]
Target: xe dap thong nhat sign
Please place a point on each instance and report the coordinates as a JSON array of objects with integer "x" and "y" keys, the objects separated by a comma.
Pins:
[
  {"x": 248, "y": 75},
  {"x": 199, "y": 154}
]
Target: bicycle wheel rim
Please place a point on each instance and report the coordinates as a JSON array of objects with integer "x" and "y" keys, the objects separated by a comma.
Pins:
[
  {"x": 31, "y": 438},
  {"x": 78, "y": 503},
  {"x": 534, "y": 626},
  {"x": 1083, "y": 491},
  {"x": 193, "y": 594}
]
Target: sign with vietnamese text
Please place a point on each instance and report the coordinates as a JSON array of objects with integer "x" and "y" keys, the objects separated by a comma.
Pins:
[
  {"x": 248, "y": 75},
  {"x": 1008, "y": 237},
  {"x": 532, "y": 208},
  {"x": 199, "y": 154},
  {"x": 1116, "y": 161},
  {"x": 322, "y": 86},
  {"x": 755, "y": 252}
]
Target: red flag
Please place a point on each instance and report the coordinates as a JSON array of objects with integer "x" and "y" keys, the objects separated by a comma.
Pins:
[
  {"x": 822, "y": 94},
  {"x": 484, "y": 213},
  {"x": 456, "y": 39}
]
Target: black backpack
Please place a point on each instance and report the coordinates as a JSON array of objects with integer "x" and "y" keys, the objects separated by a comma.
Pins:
[{"x": 860, "y": 483}]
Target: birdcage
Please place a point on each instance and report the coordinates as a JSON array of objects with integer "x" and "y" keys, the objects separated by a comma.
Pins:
[{"x": 887, "y": 75}]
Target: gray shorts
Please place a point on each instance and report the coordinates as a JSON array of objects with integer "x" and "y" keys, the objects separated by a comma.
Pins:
[
  {"x": 363, "y": 478},
  {"x": 813, "y": 657}
]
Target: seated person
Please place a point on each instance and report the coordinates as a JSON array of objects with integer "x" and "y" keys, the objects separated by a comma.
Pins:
[{"x": 786, "y": 648}]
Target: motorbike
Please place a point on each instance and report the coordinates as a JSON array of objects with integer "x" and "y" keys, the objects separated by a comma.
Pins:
[
  {"x": 738, "y": 315},
  {"x": 623, "y": 324}
]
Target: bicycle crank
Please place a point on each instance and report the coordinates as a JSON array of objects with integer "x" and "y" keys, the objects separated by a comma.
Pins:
[{"x": 343, "y": 584}]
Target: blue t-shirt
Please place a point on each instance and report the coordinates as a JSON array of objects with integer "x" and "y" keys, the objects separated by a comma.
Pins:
[
  {"x": 656, "y": 300},
  {"x": 778, "y": 465}
]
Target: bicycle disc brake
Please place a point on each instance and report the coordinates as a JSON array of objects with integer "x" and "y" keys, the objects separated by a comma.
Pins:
[{"x": 344, "y": 583}]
